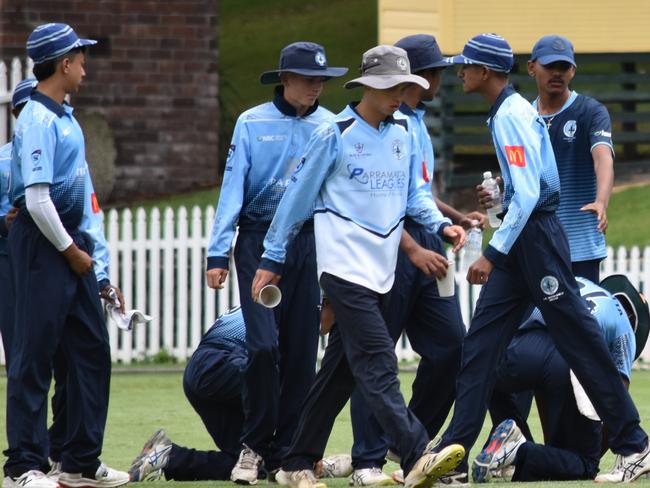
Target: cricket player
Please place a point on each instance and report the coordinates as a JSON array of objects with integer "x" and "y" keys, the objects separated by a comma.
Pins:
[
  {"x": 363, "y": 173},
  {"x": 528, "y": 260},
  {"x": 572, "y": 436},
  {"x": 282, "y": 344},
  {"x": 51, "y": 263},
  {"x": 434, "y": 324},
  {"x": 212, "y": 383}
]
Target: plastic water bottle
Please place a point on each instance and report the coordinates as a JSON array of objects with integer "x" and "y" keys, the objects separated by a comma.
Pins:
[
  {"x": 473, "y": 245},
  {"x": 490, "y": 185}
]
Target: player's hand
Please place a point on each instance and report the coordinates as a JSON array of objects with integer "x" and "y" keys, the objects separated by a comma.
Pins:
[
  {"x": 216, "y": 277},
  {"x": 262, "y": 278},
  {"x": 479, "y": 271},
  {"x": 429, "y": 262},
  {"x": 10, "y": 217},
  {"x": 484, "y": 196},
  {"x": 601, "y": 214},
  {"x": 456, "y": 235},
  {"x": 111, "y": 294},
  {"x": 466, "y": 221},
  {"x": 327, "y": 317},
  {"x": 80, "y": 261}
]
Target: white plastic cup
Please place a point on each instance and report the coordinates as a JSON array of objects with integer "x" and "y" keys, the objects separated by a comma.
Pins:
[
  {"x": 270, "y": 296},
  {"x": 447, "y": 285}
]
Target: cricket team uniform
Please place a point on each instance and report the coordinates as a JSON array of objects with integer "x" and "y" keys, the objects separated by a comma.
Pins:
[
  {"x": 531, "y": 261},
  {"x": 213, "y": 385},
  {"x": 582, "y": 124},
  {"x": 7, "y": 296},
  {"x": 282, "y": 343},
  {"x": 49, "y": 149},
  {"x": 364, "y": 183},
  {"x": 434, "y": 326},
  {"x": 572, "y": 445}
]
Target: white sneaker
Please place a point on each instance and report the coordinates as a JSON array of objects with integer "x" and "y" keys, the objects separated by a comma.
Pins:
[
  {"x": 433, "y": 465},
  {"x": 105, "y": 477},
  {"x": 30, "y": 479},
  {"x": 55, "y": 471},
  {"x": 502, "y": 474},
  {"x": 299, "y": 479},
  {"x": 613, "y": 476},
  {"x": 500, "y": 452},
  {"x": 247, "y": 468},
  {"x": 337, "y": 466},
  {"x": 370, "y": 477},
  {"x": 149, "y": 465},
  {"x": 635, "y": 465}
]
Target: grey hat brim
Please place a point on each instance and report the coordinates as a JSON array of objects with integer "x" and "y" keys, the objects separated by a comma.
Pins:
[
  {"x": 552, "y": 58},
  {"x": 383, "y": 82},
  {"x": 273, "y": 77}
]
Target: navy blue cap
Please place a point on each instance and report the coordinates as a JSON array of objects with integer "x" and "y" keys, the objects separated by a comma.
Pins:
[
  {"x": 49, "y": 41},
  {"x": 302, "y": 58},
  {"x": 23, "y": 91},
  {"x": 550, "y": 49},
  {"x": 423, "y": 52},
  {"x": 488, "y": 50}
]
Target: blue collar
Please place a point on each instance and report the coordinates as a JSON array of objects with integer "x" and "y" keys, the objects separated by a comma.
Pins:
[
  {"x": 285, "y": 107},
  {"x": 505, "y": 93},
  {"x": 388, "y": 120},
  {"x": 418, "y": 111},
  {"x": 567, "y": 104},
  {"x": 50, "y": 104}
]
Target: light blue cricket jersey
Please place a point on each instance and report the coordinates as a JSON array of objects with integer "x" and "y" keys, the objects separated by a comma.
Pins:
[
  {"x": 267, "y": 144},
  {"x": 582, "y": 124},
  {"x": 92, "y": 223},
  {"x": 423, "y": 141},
  {"x": 5, "y": 204},
  {"x": 49, "y": 148},
  {"x": 229, "y": 330},
  {"x": 528, "y": 168},
  {"x": 363, "y": 182},
  {"x": 612, "y": 320}
]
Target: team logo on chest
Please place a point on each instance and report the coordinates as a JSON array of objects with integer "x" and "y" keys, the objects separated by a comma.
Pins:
[
  {"x": 398, "y": 148},
  {"x": 569, "y": 129},
  {"x": 358, "y": 147}
]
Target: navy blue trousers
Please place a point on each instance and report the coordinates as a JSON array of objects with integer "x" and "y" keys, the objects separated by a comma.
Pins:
[
  {"x": 538, "y": 270},
  {"x": 6, "y": 306},
  {"x": 360, "y": 353},
  {"x": 571, "y": 449},
  {"x": 212, "y": 383},
  {"x": 55, "y": 309},
  {"x": 435, "y": 329},
  {"x": 282, "y": 344}
]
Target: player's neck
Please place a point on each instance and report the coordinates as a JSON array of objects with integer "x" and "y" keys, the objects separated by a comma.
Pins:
[
  {"x": 493, "y": 88},
  {"x": 53, "y": 89},
  {"x": 551, "y": 103},
  {"x": 368, "y": 113},
  {"x": 412, "y": 97}
]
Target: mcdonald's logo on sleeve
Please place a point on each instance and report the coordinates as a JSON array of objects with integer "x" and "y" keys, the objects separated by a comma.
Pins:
[
  {"x": 425, "y": 173},
  {"x": 94, "y": 203},
  {"x": 516, "y": 156}
]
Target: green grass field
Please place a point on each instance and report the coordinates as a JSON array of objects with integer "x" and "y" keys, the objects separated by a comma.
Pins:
[{"x": 141, "y": 403}]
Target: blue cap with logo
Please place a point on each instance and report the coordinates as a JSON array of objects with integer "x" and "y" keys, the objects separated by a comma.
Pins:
[
  {"x": 423, "y": 52},
  {"x": 302, "y": 58},
  {"x": 49, "y": 41},
  {"x": 23, "y": 91},
  {"x": 490, "y": 50},
  {"x": 550, "y": 49}
]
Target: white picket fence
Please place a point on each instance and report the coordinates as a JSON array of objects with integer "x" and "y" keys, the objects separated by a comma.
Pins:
[
  {"x": 158, "y": 260},
  {"x": 10, "y": 76}
]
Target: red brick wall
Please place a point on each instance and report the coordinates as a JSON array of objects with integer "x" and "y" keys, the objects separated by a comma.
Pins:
[{"x": 153, "y": 76}]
